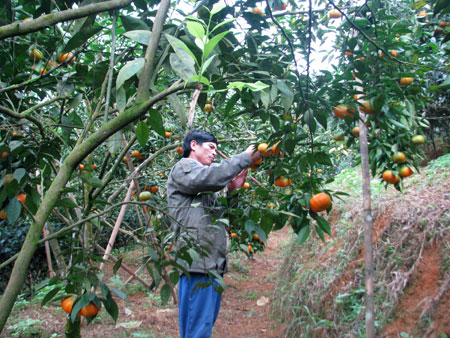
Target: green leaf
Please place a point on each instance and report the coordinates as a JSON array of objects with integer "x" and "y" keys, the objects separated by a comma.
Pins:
[
  {"x": 266, "y": 223},
  {"x": 181, "y": 50},
  {"x": 216, "y": 9},
  {"x": 198, "y": 78},
  {"x": 140, "y": 36},
  {"x": 49, "y": 296},
  {"x": 129, "y": 70},
  {"x": 81, "y": 37},
  {"x": 194, "y": 255},
  {"x": 174, "y": 277},
  {"x": 66, "y": 203},
  {"x": 117, "y": 265},
  {"x": 196, "y": 29},
  {"x": 165, "y": 294},
  {"x": 212, "y": 43},
  {"x": 419, "y": 4},
  {"x": 442, "y": 6},
  {"x": 142, "y": 133},
  {"x": 13, "y": 210},
  {"x": 221, "y": 24},
  {"x": 322, "y": 222},
  {"x": 250, "y": 226},
  {"x": 184, "y": 70},
  {"x": 207, "y": 63},
  {"x": 19, "y": 173},
  {"x": 121, "y": 99},
  {"x": 179, "y": 108},
  {"x": 119, "y": 293},
  {"x": 131, "y": 23},
  {"x": 111, "y": 307},
  {"x": 257, "y": 86},
  {"x": 155, "y": 121},
  {"x": 95, "y": 182},
  {"x": 303, "y": 235}
]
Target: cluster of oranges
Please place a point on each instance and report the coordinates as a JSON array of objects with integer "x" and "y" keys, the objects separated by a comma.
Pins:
[{"x": 88, "y": 311}]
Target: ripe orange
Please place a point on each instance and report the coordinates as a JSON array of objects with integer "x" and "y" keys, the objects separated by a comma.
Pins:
[
  {"x": 442, "y": 24},
  {"x": 246, "y": 185},
  {"x": 262, "y": 147},
  {"x": 36, "y": 54},
  {"x": 283, "y": 6},
  {"x": 146, "y": 188},
  {"x": 257, "y": 11},
  {"x": 250, "y": 248},
  {"x": 64, "y": 57},
  {"x": 338, "y": 137},
  {"x": 256, "y": 237},
  {"x": 233, "y": 235},
  {"x": 319, "y": 202},
  {"x": 208, "y": 107},
  {"x": 4, "y": 154},
  {"x": 394, "y": 53},
  {"x": 271, "y": 206},
  {"x": 22, "y": 198},
  {"x": 389, "y": 177},
  {"x": 341, "y": 110},
  {"x": 258, "y": 161},
  {"x": 348, "y": 53},
  {"x": 362, "y": 58},
  {"x": 180, "y": 150},
  {"x": 367, "y": 107},
  {"x": 405, "y": 172},
  {"x": 399, "y": 157},
  {"x": 125, "y": 160},
  {"x": 136, "y": 153},
  {"x": 3, "y": 215},
  {"x": 334, "y": 14},
  {"x": 89, "y": 310},
  {"x": 406, "y": 81},
  {"x": 94, "y": 167},
  {"x": 67, "y": 303},
  {"x": 282, "y": 181},
  {"x": 160, "y": 175},
  {"x": 355, "y": 131},
  {"x": 167, "y": 134},
  {"x": 81, "y": 166},
  {"x": 154, "y": 189}
]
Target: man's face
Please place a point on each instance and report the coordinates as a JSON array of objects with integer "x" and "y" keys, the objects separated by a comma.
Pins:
[{"x": 204, "y": 153}]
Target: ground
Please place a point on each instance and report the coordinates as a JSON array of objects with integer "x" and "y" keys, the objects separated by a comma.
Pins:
[{"x": 245, "y": 310}]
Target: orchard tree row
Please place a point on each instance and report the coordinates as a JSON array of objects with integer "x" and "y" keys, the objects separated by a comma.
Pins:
[{"x": 96, "y": 97}]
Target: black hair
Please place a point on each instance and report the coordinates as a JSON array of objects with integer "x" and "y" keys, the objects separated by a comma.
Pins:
[{"x": 199, "y": 136}]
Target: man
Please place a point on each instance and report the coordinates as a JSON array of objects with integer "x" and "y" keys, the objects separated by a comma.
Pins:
[{"x": 193, "y": 205}]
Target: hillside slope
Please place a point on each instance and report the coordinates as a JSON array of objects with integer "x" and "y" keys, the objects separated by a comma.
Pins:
[{"x": 320, "y": 287}]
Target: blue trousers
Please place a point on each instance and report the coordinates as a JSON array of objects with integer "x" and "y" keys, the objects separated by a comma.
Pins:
[{"x": 197, "y": 310}]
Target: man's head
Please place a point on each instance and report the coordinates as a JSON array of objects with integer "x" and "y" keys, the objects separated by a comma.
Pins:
[{"x": 200, "y": 146}]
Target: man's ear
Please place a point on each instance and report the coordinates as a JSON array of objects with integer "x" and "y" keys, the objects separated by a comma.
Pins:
[{"x": 194, "y": 144}]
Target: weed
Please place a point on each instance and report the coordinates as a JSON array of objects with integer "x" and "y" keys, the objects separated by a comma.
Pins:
[
  {"x": 252, "y": 294},
  {"x": 26, "y": 328}
]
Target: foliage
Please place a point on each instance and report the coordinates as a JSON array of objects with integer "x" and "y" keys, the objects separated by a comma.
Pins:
[{"x": 68, "y": 120}]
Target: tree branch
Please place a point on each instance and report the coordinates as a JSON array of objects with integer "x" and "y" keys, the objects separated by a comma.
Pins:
[{"x": 44, "y": 21}]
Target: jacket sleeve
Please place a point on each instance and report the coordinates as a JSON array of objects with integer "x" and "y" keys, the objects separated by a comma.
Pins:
[{"x": 191, "y": 177}]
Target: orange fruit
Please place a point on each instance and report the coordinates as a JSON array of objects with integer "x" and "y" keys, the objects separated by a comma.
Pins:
[
  {"x": 405, "y": 172},
  {"x": 89, "y": 310},
  {"x": 389, "y": 177},
  {"x": 36, "y": 54},
  {"x": 271, "y": 206},
  {"x": 262, "y": 147},
  {"x": 283, "y": 6},
  {"x": 256, "y": 237},
  {"x": 399, "y": 157},
  {"x": 94, "y": 166},
  {"x": 154, "y": 189},
  {"x": 257, "y": 11},
  {"x": 233, "y": 235},
  {"x": 367, "y": 107},
  {"x": 355, "y": 132},
  {"x": 442, "y": 24},
  {"x": 167, "y": 134},
  {"x": 22, "y": 198},
  {"x": 282, "y": 181},
  {"x": 4, "y": 154},
  {"x": 246, "y": 185},
  {"x": 180, "y": 150},
  {"x": 144, "y": 196},
  {"x": 319, "y": 202},
  {"x": 394, "y": 53},
  {"x": 67, "y": 303},
  {"x": 208, "y": 107},
  {"x": 125, "y": 160},
  {"x": 258, "y": 161},
  {"x": 334, "y": 14},
  {"x": 250, "y": 248},
  {"x": 341, "y": 110},
  {"x": 81, "y": 166},
  {"x": 43, "y": 71},
  {"x": 338, "y": 137},
  {"x": 418, "y": 139},
  {"x": 160, "y": 175},
  {"x": 348, "y": 53},
  {"x": 64, "y": 57},
  {"x": 136, "y": 153},
  {"x": 406, "y": 81},
  {"x": 3, "y": 215}
]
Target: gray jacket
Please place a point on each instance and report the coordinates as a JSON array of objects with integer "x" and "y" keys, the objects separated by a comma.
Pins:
[{"x": 191, "y": 194}]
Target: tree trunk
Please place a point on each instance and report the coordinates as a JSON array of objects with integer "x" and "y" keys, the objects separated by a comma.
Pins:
[
  {"x": 368, "y": 250},
  {"x": 73, "y": 330}
]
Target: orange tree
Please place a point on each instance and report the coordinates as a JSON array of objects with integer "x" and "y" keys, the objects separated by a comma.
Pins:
[{"x": 88, "y": 84}]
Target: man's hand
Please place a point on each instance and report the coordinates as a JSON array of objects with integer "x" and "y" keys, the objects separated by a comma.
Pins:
[
  {"x": 238, "y": 181},
  {"x": 254, "y": 154}
]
